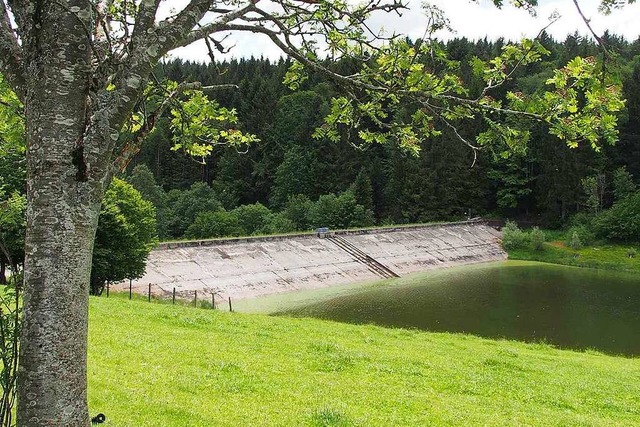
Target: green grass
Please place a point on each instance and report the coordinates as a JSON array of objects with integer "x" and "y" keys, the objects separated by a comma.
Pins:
[
  {"x": 162, "y": 365},
  {"x": 603, "y": 256}
]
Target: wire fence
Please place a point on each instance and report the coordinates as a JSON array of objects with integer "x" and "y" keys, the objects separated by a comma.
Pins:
[{"x": 202, "y": 298}]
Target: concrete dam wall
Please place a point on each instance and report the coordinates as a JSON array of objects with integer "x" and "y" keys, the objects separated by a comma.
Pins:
[{"x": 245, "y": 268}]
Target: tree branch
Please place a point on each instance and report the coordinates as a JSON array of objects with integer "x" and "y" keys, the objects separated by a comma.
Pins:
[
  {"x": 218, "y": 25},
  {"x": 11, "y": 61},
  {"x": 133, "y": 146},
  {"x": 174, "y": 29},
  {"x": 146, "y": 17},
  {"x": 593, "y": 33},
  {"x": 290, "y": 49}
]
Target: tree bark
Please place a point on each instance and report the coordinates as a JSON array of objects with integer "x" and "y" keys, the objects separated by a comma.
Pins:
[
  {"x": 61, "y": 221},
  {"x": 64, "y": 189},
  {"x": 52, "y": 373}
]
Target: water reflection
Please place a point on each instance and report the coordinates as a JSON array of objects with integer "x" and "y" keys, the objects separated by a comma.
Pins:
[{"x": 565, "y": 306}]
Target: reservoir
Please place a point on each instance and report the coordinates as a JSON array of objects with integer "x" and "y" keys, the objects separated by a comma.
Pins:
[{"x": 563, "y": 306}]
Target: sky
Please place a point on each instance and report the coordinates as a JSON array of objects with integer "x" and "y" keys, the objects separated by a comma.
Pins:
[{"x": 471, "y": 20}]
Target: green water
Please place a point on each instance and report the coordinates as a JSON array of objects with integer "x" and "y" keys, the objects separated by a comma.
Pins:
[{"x": 564, "y": 306}]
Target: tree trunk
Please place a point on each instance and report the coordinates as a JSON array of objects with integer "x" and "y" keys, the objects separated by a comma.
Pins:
[
  {"x": 61, "y": 222},
  {"x": 61, "y": 69},
  {"x": 54, "y": 336},
  {"x": 64, "y": 189}
]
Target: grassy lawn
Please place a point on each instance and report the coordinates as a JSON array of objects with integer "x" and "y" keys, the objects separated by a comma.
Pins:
[
  {"x": 162, "y": 365},
  {"x": 603, "y": 256}
]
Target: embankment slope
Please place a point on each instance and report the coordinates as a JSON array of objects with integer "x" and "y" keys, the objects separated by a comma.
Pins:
[{"x": 244, "y": 268}]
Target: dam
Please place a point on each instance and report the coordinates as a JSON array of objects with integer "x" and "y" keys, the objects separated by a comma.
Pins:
[{"x": 255, "y": 266}]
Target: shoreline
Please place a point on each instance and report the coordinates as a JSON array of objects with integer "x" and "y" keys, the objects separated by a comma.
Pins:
[{"x": 607, "y": 257}]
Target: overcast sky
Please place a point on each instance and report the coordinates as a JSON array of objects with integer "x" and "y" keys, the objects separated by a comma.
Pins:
[{"x": 468, "y": 19}]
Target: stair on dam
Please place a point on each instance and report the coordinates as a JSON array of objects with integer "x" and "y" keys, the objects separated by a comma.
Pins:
[{"x": 375, "y": 266}]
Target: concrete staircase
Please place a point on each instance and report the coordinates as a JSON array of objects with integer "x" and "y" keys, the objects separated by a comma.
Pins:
[{"x": 360, "y": 256}]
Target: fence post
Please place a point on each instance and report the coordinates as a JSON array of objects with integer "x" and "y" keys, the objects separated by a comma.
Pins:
[
  {"x": 195, "y": 299},
  {"x": 107, "y": 289},
  {"x": 149, "y": 299},
  {"x": 174, "y": 296},
  {"x": 129, "y": 288},
  {"x": 230, "y": 308},
  {"x": 213, "y": 301}
]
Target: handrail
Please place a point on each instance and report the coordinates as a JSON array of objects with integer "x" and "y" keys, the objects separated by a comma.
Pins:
[{"x": 374, "y": 265}]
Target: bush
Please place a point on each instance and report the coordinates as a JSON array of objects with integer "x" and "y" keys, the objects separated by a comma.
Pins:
[
  {"x": 581, "y": 219},
  {"x": 622, "y": 221},
  {"x": 512, "y": 236},
  {"x": 253, "y": 219},
  {"x": 341, "y": 211},
  {"x": 182, "y": 207},
  {"x": 278, "y": 224},
  {"x": 584, "y": 235},
  {"x": 537, "y": 238},
  {"x": 297, "y": 211},
  {"x": 574, "y": 242},
  {"x": 214, "y": 224},
  {"x": 125, "y": 236}
]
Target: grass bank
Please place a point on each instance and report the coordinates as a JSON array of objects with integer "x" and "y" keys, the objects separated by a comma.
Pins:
[
  {"x": 161, "y": 365},
  {"x": 608, "y": 256}
]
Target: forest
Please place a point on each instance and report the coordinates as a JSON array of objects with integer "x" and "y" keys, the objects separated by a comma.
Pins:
[{"x": 290, "y": 180}]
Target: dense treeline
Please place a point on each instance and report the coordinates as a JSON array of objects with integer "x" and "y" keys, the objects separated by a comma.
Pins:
[{"x": 291, "y": 181}]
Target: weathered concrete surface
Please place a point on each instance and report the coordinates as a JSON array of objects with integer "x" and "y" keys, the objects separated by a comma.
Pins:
[{"x": 243, "y": 268}]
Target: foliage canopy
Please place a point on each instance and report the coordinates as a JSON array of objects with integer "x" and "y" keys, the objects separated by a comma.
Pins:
[{"x": 126, "y": 234}]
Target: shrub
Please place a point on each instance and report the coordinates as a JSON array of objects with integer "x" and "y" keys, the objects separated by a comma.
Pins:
[
  {"x": 622, "y": 221},
  {"x": 278, "y": 223},
  {"x": 581, "y": 219},
  {"x": 214, "y": 224},
  {"x": 341, "y": 211},
  {"x": 125, "y": 236},
  {"x": 583, "y": 233},
  {"x": 253, "y": 219},
  {"x": 182, "y": 207},
  {"x": 574, "y": 242},
  {"x": 297, "y": 211},
  {"x": 512, "y": 236},
  {"x": 537, "y": 238}
]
